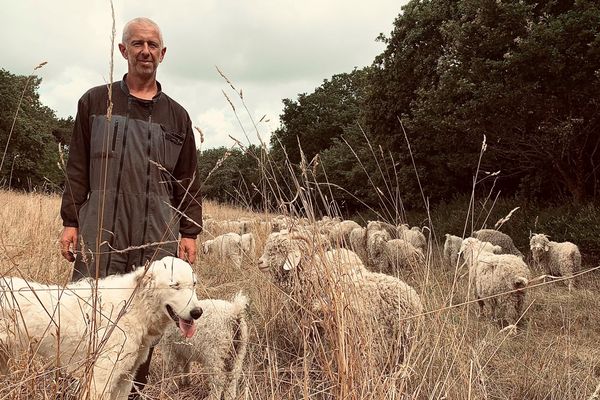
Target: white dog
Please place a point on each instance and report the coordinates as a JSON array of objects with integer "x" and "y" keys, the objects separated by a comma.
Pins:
[
  {"x": 111, "y": 331},
  {"x": 220, "y": 346}
]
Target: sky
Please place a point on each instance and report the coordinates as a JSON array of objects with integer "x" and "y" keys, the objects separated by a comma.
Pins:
[{"x": 268, "y": 49}]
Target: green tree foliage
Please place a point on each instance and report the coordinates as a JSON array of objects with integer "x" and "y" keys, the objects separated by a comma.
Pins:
[
  {"x": 32, "y": 154},
  {"x": 315, "y": 120},
  {"x": 231, "y": 175},
  {"x": 524, "y": 74}
]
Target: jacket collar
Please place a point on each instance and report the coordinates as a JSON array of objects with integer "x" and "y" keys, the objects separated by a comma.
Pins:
[{"x": 126, "y": 90}]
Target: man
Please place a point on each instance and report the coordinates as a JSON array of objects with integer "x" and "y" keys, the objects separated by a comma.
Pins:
[{"x": 131, "y": 192}]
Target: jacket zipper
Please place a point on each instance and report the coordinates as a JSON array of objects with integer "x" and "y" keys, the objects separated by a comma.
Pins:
[
  {"x": 115, "y": 132},
  {"x": 148, "y": 153},
  {"x": 118, "y": 187}
]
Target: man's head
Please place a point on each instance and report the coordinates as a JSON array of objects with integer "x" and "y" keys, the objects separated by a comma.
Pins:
[{"x": 142, "y": 47}]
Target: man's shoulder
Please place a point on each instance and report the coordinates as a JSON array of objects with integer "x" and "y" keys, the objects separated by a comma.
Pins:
[{"x": 175, "y": 105}]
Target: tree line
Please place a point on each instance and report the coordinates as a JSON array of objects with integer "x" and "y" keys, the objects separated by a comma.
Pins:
[{"x": 520, "y": 79}]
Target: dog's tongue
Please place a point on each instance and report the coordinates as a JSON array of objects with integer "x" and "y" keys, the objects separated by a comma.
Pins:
[{"x": 187, "y": 328}]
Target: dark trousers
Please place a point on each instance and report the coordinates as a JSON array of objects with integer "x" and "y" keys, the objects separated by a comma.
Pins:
[{"x": 141, "y": 377}]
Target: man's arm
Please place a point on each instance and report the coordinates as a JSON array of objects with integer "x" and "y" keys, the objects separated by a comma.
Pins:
[
  {"x": 187, "y": 197},
  {"x": 77, "y": 184},
  {"x": 187, "y": 249},
  {"x": 68, "y": 242}
]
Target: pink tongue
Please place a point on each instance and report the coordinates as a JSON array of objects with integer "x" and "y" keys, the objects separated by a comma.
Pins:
[{"x": 187, "y": 328}]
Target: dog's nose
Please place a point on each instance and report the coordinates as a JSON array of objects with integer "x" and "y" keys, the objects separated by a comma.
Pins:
[{"x": 196, "y": 313}]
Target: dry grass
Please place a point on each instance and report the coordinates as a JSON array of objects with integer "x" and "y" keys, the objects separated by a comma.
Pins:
[{"x": 554, "y": 355}]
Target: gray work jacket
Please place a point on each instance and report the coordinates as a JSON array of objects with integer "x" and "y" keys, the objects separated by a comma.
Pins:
[{"x": 126, "y": 177}]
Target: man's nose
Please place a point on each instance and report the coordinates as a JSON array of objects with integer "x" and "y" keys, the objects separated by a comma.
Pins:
[{"x": 146, "y": 49}]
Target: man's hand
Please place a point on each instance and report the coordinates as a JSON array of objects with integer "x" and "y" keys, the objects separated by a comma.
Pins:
[
  {"x": 68, "y": 243},
  {"x": 187, "y": 250}
]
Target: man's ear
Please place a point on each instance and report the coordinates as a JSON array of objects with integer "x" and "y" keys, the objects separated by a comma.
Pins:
[
  {"x": 162, "y": 53},
  {"x": 123, "y": 50}
]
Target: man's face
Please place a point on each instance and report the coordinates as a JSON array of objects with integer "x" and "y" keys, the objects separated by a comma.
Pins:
[{"x": 143, "y": 50}]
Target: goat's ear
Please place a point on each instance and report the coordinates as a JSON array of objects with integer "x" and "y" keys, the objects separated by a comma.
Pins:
[{"x": 292, "y": 260}]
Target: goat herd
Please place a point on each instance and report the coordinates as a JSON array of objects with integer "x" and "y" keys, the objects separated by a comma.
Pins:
[{"x": 313, "y": 263}]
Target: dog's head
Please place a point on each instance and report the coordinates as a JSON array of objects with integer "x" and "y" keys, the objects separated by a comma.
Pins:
[{"x": 174, "y": 282}]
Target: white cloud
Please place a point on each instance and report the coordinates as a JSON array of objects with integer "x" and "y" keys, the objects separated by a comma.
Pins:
[{"x": 271, "y": 49}]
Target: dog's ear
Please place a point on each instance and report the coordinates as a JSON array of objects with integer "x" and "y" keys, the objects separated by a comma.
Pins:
[{"x": 144, "y": 277}]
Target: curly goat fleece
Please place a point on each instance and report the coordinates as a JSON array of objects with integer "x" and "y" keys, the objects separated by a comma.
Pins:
[
  {"x": 391, "y": 256},
  {"x": 376, "y": 251},
  {"x": 562, "y": 259},
  {"x": 376, "y": 300},
  {"x": 498, "y": 238},
  {"x": 402, "y": 255},
  {"x": 220, "y": 345},
  {"x": 493, "y": 274},
  {"x": 413, "y": 236},
  {"x": 452, "y": 250},
  {"x": 339, "y": 234},
  {"x": 358, "y": 243},
  {"x": 227, "y": 246}
]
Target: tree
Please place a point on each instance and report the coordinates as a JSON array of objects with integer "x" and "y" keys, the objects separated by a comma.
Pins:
[
  {"x": 32, "y": 154},
  {"x": 230, "y": 175},
  {"x": 523, "y": 74},
  {"x": 315, "y": 120}
]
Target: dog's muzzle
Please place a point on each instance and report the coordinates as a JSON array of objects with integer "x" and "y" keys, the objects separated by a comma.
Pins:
[
  {"x": 186, "y": 326},
  {"x": 196, "y": 313}
]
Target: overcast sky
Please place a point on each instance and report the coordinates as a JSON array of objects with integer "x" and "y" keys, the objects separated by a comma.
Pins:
[{"x": 270, "y": 49}]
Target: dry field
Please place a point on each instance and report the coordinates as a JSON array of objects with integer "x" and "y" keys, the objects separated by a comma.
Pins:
[{"x": 555, "y": 354}]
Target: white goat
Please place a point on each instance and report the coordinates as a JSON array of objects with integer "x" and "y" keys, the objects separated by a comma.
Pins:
[
  {"x": 227, "y": 247},
  {"x": 339, "y": 234},
  {"x": 413, "y": 236},
  {"x": 562, "y": 259},
  {"x": 378, "y": 301},
  {"x": 358, "y": 243},
  {"x": 401, "y": 255},
  {"x": 248, "y": 244},
  {"x": 503, "y": 276},
  {"x": 452, "y": 250}
]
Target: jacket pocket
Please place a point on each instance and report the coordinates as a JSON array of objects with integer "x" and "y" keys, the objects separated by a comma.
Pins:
[
  {"x": 173, "y": 136},
  {"x": 172, "y": 142}
]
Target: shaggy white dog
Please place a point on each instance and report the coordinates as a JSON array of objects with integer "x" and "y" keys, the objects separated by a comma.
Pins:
[
  {"x": 108, "y": 326},
  {"x": 220, "y": 346}
]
